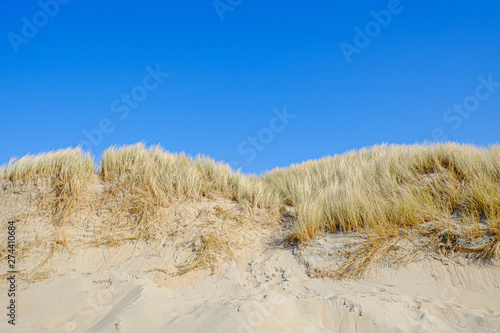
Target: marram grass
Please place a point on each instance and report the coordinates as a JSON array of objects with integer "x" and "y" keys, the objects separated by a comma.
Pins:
[
  {"x": 386, "y": 188},
  {"x": 163, "y": 176},
  {"x": 71, "y": 168},
  {"x": 381, "y": 191}
]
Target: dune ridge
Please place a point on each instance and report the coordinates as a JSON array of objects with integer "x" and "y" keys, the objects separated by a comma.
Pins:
[{"x": 149, "y": 237}]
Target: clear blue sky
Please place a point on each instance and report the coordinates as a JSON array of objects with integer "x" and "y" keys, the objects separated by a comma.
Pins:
[{"x": 72, "y": 73}]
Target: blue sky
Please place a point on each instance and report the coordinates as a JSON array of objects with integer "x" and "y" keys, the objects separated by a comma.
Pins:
[{"x": 346, "y": 75}]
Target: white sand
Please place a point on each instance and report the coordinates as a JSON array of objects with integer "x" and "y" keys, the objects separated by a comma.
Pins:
[{"x": 111, "y": 290}]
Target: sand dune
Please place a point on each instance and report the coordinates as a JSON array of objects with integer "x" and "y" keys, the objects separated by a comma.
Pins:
[{"x": 156, "y": 242}]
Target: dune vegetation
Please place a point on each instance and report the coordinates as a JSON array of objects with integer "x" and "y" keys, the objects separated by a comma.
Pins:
[
  {"x": 384, "y": 192},
  {"x": 386, "y": 188}
]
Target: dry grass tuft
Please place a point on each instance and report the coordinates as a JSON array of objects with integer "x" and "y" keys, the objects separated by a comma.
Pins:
[
  {"x": 66, "y": 172},
  {"x": 147, "y": 179},
  {"x": 159, "y": 177},
  {"x": 492, "y": 250},
  {"x": 69, "y": 170},
  {"x": 365, "y": 256},
  {"x": 212, "y": 248}
]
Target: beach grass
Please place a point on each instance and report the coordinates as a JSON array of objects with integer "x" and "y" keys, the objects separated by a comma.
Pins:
[{"x": 387, "y": 191}]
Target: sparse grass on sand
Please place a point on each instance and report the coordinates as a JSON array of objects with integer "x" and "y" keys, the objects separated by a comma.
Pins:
[{"x": 450, "y": 192}]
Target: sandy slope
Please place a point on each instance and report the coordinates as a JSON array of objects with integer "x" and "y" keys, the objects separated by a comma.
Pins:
[
  {"x": 132, "y": 286},
  {"x": 265, "y": 291}
]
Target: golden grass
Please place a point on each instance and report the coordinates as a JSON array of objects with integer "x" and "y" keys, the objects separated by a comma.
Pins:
[
  {"x": 385, "y": 191},
  {"x": 368, "y": 254},
  {"x": 213, "y": 247},
  {"x": 68, "y": 168},
  {"x": 67, "y": 172},
  {"x": 151, "y": 178},
  {"x": 388, "y": 188},
  {"x": 161, "y": 177}
]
